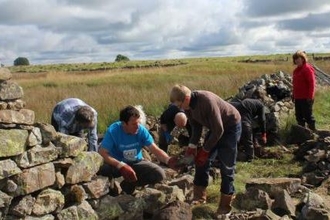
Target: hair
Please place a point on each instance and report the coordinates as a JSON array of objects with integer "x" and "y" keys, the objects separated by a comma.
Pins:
[
  {"x": 128, "y": 112},
  {"x": 143, "y": 116},
  {"x": 179, "y": 93},
  {"x": 298, "y": 54},
  {"x": 85, "y": 114}
]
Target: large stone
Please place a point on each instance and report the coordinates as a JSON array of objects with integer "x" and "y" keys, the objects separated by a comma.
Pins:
[
  {"x": 35, "y": 178},
  {"x": 5, "y": 74},
  {"x": 23, "y": 206},
  {"x": 82, "y": 211},
  {"x": 8, "y": 168},
  {"x": 12, "y": 142},
  {"x": 10, "y": 91},
  {"x": 70, "y": 145},
  {"x": 48, "y": 201},
  {"x": 97, "y": 187},
  {"x": 23, "y": 116},
  {"x": 175, "y": 210},
  {"x": 85, "y": 166},
  {"x": 37, "y": 155},
  {"x": 48, "y": 132},
  {"x": 274, "y": 185}
]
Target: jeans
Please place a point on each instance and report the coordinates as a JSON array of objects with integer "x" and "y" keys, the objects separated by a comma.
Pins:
[{"x": 226, "y": 151}]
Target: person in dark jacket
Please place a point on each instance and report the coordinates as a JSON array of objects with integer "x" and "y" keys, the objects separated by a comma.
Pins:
[
  {"x": 251, "y": 109},
  {"x": 206, "y": 109},
  {"x": 170, "y": 118},
  {"x": 303, "y": 81}
]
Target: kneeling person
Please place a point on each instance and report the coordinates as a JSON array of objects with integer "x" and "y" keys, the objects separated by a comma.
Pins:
[{"x": 121, "y": 150}]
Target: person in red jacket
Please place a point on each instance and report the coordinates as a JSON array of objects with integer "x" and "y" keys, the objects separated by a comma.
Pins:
[{"x": 303, "y": 81}]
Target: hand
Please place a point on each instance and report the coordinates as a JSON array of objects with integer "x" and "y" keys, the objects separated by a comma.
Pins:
[
  {"x": 191, "y": 150},
  {"x": 202, "y": 157},
  {"x": 173, "y": 163},
  {"x": 128, "y": 173},
  {"x": 264, "y": 138},
  {"x": 168, "y": 136}
]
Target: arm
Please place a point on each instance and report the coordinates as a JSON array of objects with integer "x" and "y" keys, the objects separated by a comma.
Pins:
[
  {"x": 310, "y": 79},
  {"x": 161, "y": 155},
  {"x": 92, "y": 138},
  {"x": 107, "y": 158}
]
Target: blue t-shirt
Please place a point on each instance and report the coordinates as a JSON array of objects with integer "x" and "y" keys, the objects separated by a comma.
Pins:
[{"x": 126, "y": 147}]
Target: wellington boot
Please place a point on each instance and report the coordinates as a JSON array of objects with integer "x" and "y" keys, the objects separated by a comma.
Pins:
[
  {"x": 224, "y": 207},
  {"x": 199, "y": 195}
]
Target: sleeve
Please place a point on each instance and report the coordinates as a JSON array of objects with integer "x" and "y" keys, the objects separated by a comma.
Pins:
[
  {"x": 216, "y": 127},
  {"x": 262, "y": 118},
  {"x": 310, "y": 79},
  {"x": 92, "y": 139}
]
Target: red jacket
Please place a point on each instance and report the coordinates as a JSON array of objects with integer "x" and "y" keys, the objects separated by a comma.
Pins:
[{"x": 303, "y": 81}]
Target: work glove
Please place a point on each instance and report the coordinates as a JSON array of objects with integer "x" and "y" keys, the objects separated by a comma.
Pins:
[
  {"x": 264, "y": 138},
  {"x": 202, "y": 157},
  {"x": 191, "y": 151},
  {"x": 128, "y": 173},
  {"x": 168, "y": 137}
]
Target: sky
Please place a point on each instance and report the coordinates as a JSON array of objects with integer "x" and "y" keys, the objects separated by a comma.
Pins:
[{"x": 84, "y": 31}]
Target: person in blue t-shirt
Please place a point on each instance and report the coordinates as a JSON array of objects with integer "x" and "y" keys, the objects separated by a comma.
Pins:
[{"x": 121, "y": 149}]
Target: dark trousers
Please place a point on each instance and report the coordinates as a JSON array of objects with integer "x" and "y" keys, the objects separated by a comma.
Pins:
[
  {"x": 146, "y": 172},
  {"x": 304, "y": 112},
  {"x": 247, "y": 139},
  {"x": 226, "y": 152}
]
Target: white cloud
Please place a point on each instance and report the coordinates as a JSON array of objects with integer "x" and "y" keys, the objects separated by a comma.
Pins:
[{"x": 60, "y": 31}]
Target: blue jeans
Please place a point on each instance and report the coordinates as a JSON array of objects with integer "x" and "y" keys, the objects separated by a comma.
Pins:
[{"x": 226, "y": 151}]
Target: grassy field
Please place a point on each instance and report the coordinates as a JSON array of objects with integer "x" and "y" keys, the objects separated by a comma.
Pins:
[{"x": 148, "y": 83}]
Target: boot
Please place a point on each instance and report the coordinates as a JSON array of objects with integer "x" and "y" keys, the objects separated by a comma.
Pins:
[
  {"x": 199, "y": 195},
  {"x": 311, "y": 126},
  {"x": 224, "y": 207}
]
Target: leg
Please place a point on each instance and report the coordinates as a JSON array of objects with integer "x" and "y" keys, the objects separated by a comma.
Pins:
[
  {"x": 308, "y": 114},
  {"x": 227, "y": 152},
  {"x": 148, "y": 173},
  {"x": 299, "y": 111},
  {"x": 247, "y": 140}
]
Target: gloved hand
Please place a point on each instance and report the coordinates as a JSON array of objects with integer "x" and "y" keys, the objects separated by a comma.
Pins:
[
  {"x": 191, "y": 150},
  {"x": 168, "y": 136},
  {"x": 264, "y": 138},
  {"x": 202, "y": 157},
  {"x": 128, "y": 173}
]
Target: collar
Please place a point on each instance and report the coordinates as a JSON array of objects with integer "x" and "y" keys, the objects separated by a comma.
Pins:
[{"x": 193, "y": 100}]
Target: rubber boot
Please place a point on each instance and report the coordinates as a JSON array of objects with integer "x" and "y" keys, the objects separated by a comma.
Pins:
[
  {"x": 224, "y": 207},
  {"x": 199, "y": 195}
]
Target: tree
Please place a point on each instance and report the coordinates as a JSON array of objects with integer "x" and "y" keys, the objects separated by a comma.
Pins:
[
  {"x": 120, "y": 58},
  {"x": 21, "y": 61}
]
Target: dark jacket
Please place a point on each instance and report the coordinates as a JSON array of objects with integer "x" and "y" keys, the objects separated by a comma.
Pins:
[
  {"x": 250, "y": 109},
  {"x": 209, "y": 110}
]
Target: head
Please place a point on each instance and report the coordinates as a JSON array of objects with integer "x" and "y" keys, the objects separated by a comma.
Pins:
[
  {"x": 130, "y": 118},
  {"x": 180, "y": 119},
  {"x": 180, "y": 96},
  {"x": 299, "y": 57},
  {"x": 85, "y": 117}
]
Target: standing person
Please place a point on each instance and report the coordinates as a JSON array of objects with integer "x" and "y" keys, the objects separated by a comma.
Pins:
[
  {"x": 249, "y": 110},
  {"x": 205, "y": 108},
  {"x": 72, "y": 116},
  {"x": 169, "y": 119},
  {"x": 303, "y": 81},
  {"x": 121, "y": 149}
]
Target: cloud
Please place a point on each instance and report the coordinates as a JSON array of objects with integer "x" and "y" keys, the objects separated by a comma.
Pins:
[{"x": 61, "y": 31}]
